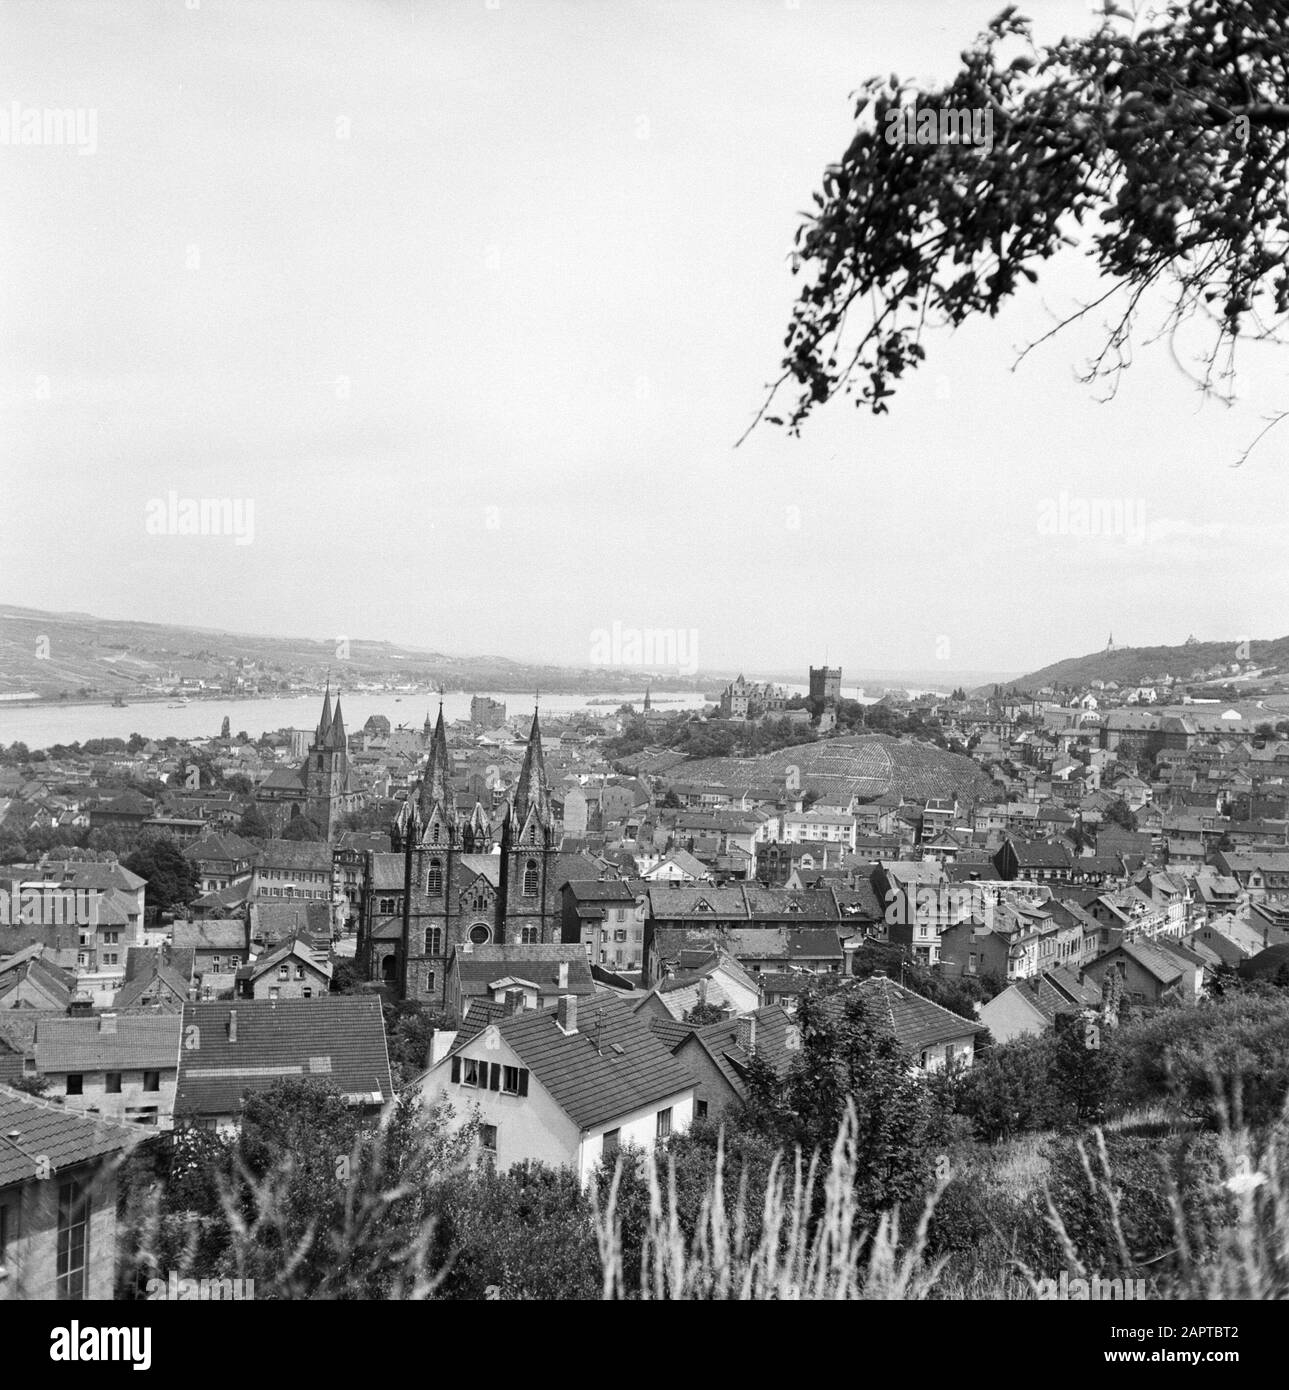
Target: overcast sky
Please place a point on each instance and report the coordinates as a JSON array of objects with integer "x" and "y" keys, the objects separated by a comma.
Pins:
[{"x": 472, "y": 301}]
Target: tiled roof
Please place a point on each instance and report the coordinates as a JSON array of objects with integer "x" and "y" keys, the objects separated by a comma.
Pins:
[
  {"x": 32, "y": 1129},
  {"x": 272, "y": 919},
  {"x": 83, "y": 1044},
  {"x": 225, "y": 899},
  {"x": 387, "y": 871},
  {"x": 776, "y": 1039},
  {"x": 600, "y": 890},
  {"x": 57, "y": 984},
  {"x": 483, "y": 966},
  {"x": 216, "y": 849},
  {"x": 301, "y": 856},
  {"x": 630, "y": 1070},
  {"x": 1153, "y": 961},
  {"x": 916, "y": 1022},
  {"x": 670, "y": 1031},
  {"x": 339, "y": 1039},
  {"x": 210, "y": 934},
  {"x": 173, "y": 986}
]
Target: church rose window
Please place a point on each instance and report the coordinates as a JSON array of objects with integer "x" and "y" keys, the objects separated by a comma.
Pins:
[{"x": 479, "y": 934}]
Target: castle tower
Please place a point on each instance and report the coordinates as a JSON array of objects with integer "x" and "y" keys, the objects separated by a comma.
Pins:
[{"x": 825, "y": 685}]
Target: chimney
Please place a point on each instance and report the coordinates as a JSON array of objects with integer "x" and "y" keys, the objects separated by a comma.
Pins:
[
  {"x": 566, "y": 1013},
  {"x": 514, "y": 1002},
  {"x": 563, "y": 974},
  {"x": 107, "y": 1023},
  {"x": 747, "y": 1033},
  {"x": 232, "y": 1025},
  {"x": 702, "y": 992}
]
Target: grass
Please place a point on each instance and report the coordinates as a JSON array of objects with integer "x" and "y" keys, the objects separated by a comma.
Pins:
[{"x": 1229, "y": 1234}]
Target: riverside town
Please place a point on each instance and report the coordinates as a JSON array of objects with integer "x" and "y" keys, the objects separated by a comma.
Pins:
[{"x": 666, "y": 676}]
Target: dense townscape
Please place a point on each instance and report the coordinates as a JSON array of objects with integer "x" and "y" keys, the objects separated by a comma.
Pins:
[
  {"x": 636, "y": 664},
  {"x": 562, "y": 945}
]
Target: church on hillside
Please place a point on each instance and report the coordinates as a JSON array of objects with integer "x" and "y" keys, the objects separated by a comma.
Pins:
[
  {"x": 469, "y": 887},
  {"x": 323, "y": 787}
]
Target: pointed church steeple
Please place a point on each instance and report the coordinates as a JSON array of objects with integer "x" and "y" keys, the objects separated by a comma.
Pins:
[
  {"x": 324, "y": 724},
  {"x": 532, "y": 791},
  {"x": 334, "y": 738},
  {"x": 436, "y": 789}
]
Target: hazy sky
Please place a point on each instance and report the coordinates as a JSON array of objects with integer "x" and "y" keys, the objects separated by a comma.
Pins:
[{"x": 471, "y": 301}]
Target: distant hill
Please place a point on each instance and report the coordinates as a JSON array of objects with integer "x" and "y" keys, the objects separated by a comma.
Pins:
[
  {"x": 1138, "y": 665},
  {"x": 864, "y": 765},
  {"x": 76, "y": 655}
]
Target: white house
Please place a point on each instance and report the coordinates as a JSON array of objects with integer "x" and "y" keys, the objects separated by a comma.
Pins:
[{"x": 564, "y": 1086}]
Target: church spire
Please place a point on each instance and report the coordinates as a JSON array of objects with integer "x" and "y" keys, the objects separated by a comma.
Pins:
[
  {"x": 335, "y": 736},
  {"x": 436, "y": 790},
  {"x": 324, "y": 724},
  {"x": 532, "y": 791}
]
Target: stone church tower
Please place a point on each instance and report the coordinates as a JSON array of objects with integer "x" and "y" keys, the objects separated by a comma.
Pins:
[
  {"x": 327, "y": 778},
  {"x": 529, "y": 846},
  {"x": 459, "y": 891}
]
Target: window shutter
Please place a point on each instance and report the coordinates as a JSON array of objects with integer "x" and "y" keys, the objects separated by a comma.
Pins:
[
  {"x": 456, "y": 1069},
  {"x": 494, "y": 1077},
  {"x": 523, "y": 1081}
]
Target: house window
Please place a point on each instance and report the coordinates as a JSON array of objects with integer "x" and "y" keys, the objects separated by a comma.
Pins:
[
  {"x": 113, "y": 1086},
  {"x": 612, "y": 1141},
  {"x": 75, "y": 1084},
  {"x": 151, "y": 1080},
  {"x": 664, "y": 1122},
  {"x": 386, "y": 907},
  {"x": 299, "y": 972},
  {"x": 528, "y": 936},
  {"x": 434, "y": 881},
  {"x": 700, "y": 1109},
  {"x": 470, "y": 1071},
  {"x": 488, "y": 1139},
  {"x": 429, "y": 980},
  {"x": 530, "y": 879},
  {"x": 510, "y": 1080},
  {"x": 73, "y": 1239},
  {"x": 273, "y": 993},
  {"x": 284, "y": 972},
  {"x": 433, "y": 941}
]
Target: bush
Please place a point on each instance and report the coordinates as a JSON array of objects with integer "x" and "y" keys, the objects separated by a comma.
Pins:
[{"x": 1223, "y": 1061}]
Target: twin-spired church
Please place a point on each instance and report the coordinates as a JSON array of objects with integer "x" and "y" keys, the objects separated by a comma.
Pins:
[
  {"x": 466, "y": 887},
  {"x": 324, "y": 787}
]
